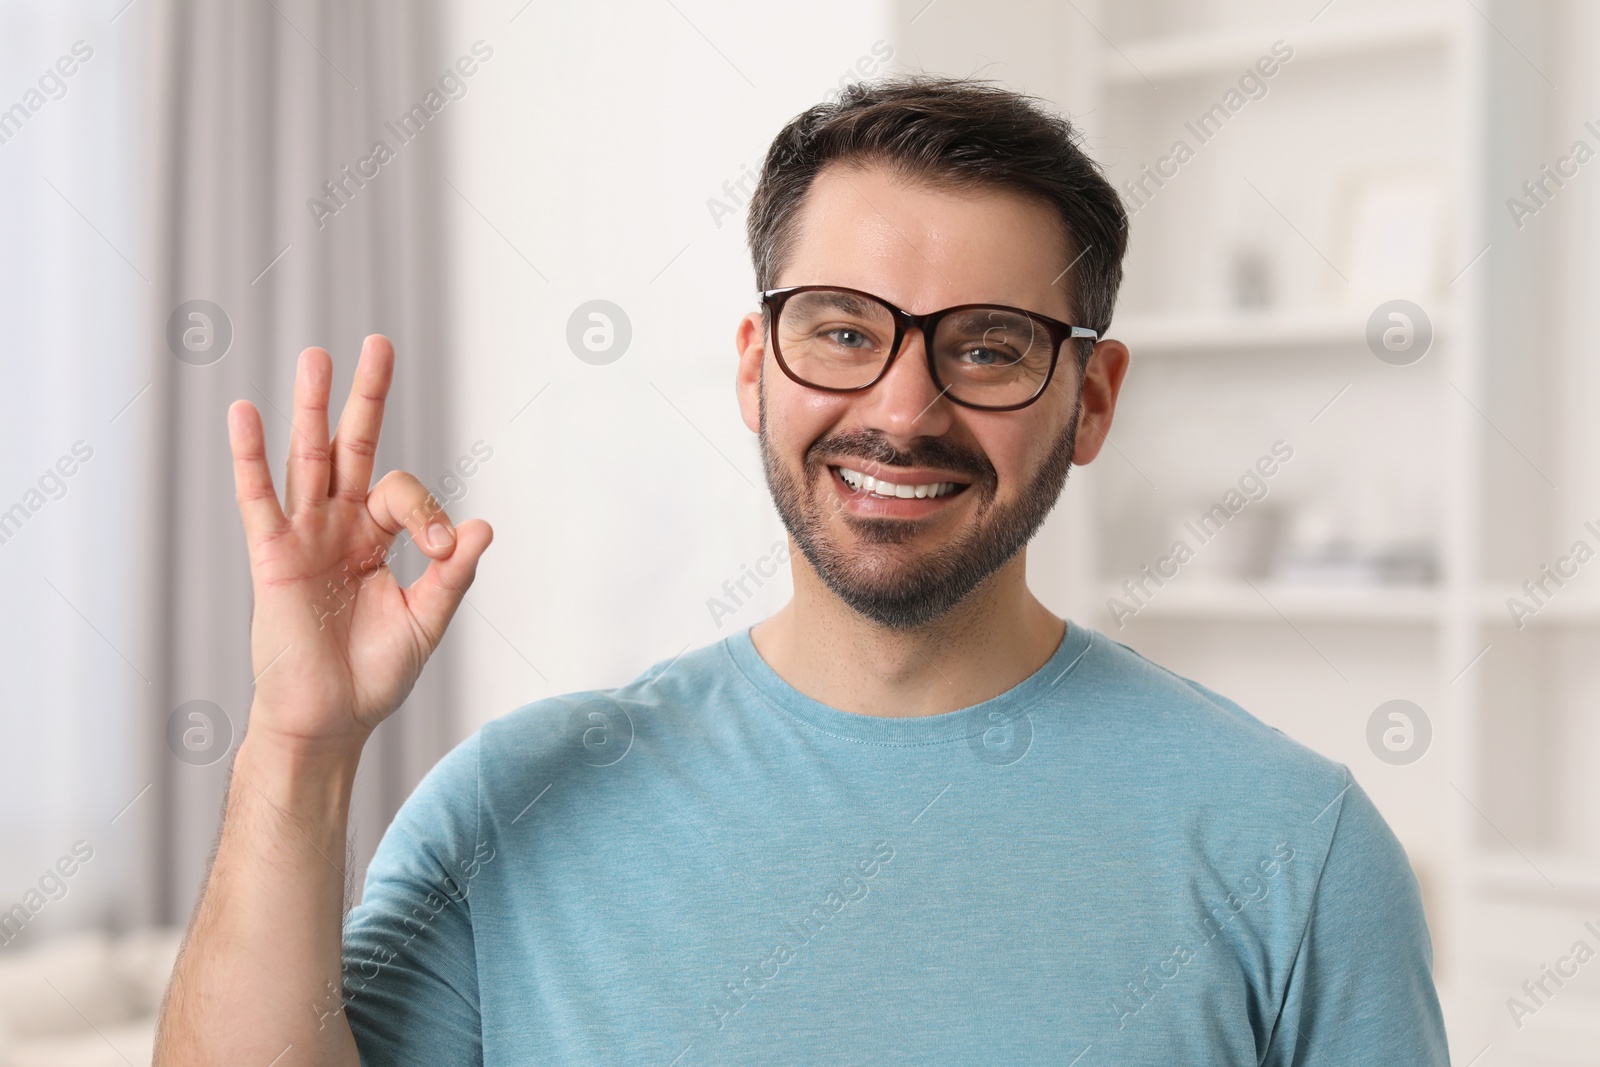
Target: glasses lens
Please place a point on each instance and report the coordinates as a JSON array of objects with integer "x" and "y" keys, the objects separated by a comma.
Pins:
[
  {"x": 834, "y": 339},
  {"x": 991, "y": 356}
]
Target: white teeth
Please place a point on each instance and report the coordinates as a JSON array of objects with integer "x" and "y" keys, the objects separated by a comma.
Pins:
[{"x": 880, "y": 487}]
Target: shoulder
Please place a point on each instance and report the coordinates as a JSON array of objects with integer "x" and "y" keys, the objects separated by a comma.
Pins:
[
  {"x": 672, "y": 686},
  {"x": 1199, "y": 741},
  {"x": 1218, "y": 781},
  {"x": 1215, "y": 779},
  {"x": 666, "y": 705}
]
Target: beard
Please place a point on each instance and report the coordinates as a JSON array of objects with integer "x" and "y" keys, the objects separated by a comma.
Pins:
[{"x": 910, "y": 588}]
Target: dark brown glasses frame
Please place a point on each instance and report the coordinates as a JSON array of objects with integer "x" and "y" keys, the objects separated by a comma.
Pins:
[{"x": 1059, "y": 332}]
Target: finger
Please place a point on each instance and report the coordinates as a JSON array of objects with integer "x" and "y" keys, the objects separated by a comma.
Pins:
[
  {"x": 356, "y": 441},
  {"x": 434, "y": 597},
  {"x": 400, "y": 502},
  {"x": 307, "y": 481},
  {"x": 252, "y": 478}
]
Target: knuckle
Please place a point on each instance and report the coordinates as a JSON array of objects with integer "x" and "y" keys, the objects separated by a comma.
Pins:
[
  {"x": 393, "y": 482},
  {"x": 408, "y": 498}
]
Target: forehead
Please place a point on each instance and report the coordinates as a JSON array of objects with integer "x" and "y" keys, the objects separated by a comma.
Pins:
[{"x": 925, "y": 246}]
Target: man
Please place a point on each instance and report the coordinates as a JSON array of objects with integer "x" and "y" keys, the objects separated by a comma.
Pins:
[{"x": 913, "y": 817}]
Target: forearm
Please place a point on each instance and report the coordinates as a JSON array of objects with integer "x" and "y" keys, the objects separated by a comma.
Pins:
[{"x": 260, "y": 969}]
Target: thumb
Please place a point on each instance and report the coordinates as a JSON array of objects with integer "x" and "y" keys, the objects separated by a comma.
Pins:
[{"x": 434, "y": 597}]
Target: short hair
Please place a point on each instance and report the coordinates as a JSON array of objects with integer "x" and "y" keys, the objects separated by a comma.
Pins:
[{"x": 955, "y": 133}]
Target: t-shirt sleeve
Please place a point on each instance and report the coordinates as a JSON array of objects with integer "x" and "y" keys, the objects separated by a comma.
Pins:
[
  {"x": 410, "y": 968},
  {"x": 1361, "y": 987}
]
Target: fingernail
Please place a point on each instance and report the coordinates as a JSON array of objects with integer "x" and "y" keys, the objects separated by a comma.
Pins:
[{"x": 439, "y": 535}]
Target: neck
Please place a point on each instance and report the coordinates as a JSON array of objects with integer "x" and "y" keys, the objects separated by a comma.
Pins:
[{"x": 998, "y": 636}]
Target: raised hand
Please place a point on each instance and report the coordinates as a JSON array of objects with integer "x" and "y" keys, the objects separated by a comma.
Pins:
[{"x": 336, "y": 642}]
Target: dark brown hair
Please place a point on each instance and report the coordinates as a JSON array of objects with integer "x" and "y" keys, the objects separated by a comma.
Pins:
[{"x": 955, "y": 133}]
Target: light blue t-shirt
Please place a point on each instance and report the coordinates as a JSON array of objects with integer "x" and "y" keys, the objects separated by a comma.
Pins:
[{"x": 1107, "y": 864}]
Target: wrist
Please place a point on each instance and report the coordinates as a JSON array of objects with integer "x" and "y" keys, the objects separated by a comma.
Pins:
[{"x": 303, "y": 777}]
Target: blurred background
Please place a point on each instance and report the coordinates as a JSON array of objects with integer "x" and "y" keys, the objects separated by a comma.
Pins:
[{"x": 1352, "y": 483}]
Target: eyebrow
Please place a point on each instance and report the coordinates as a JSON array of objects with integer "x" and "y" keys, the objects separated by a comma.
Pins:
[
  {"x": 984, "y": 316},
  {"x": 848, "y": 302}
]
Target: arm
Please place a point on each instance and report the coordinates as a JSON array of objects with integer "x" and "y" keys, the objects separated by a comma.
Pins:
[
  {"x": 259, "y": 972},
  {"x": 336, "y": 645}
]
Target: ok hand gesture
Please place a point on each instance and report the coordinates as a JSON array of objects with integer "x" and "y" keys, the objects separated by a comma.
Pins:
[{"x": 336, "y": 642}]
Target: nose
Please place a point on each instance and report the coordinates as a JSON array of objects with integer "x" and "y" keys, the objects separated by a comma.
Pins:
[{"x": 905, "y": 403}]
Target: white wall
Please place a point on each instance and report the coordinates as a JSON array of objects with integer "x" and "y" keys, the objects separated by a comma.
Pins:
[{"x": 626, "y": 494}]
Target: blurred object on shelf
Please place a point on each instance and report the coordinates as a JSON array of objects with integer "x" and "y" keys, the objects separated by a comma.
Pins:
[
  {"x": 1243, "y": 546},
  {"x": 1333, "y": 542},
  {"x": 1344, "y": 561},
  {"x": 1252, "y": 279}
]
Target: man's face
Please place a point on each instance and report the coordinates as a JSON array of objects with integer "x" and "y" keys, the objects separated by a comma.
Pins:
[{"x": 905, "y": 561}]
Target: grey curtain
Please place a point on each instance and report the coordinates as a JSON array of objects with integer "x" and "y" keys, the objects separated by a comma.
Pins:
[{"x": 254, "y": 107}]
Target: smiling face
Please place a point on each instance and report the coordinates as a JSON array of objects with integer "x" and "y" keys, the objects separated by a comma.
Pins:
[{"x": 901, "y": 501}]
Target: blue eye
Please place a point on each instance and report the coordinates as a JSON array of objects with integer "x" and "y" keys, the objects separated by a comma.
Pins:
[{"x": 987, "y": 357}]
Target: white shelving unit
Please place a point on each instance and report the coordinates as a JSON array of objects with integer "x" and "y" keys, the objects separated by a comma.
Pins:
[
  {"x": 1190, "y": 55},
  {"x": 1293, "y": 331},
  {"x": 1501, "y": 817},
  {"x": 1269, "y": 601}
]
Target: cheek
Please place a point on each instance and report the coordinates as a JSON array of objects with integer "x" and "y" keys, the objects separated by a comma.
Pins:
[
  {"x": 797, "y": 416},
  {"x": 1012, "y": 445}
]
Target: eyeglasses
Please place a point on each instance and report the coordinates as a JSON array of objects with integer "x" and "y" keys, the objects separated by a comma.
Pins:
[{"x": 985, "y": 356}]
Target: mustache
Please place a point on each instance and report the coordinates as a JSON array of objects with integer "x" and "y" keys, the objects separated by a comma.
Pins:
[{"x": 938, "y": 452}]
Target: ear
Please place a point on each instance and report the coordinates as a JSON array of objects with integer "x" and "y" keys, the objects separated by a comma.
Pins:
[
  {"x": 751, "y": 341},
  {"x": 1102, "y": 381}
]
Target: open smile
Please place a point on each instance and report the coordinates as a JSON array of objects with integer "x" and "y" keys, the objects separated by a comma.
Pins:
[
  {"x": 860, "y": 482},
  {"x": 889, "y": 492}
]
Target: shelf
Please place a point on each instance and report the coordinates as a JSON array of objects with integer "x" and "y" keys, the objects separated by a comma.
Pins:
[
  {"x": 1568, "y": 606},
  {"x": 1230, "y": 51},
  {"x": 1571, "y": 879},
  {"x": 1239, "y": 601},
  {"x": 1240, "y": 332}
]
